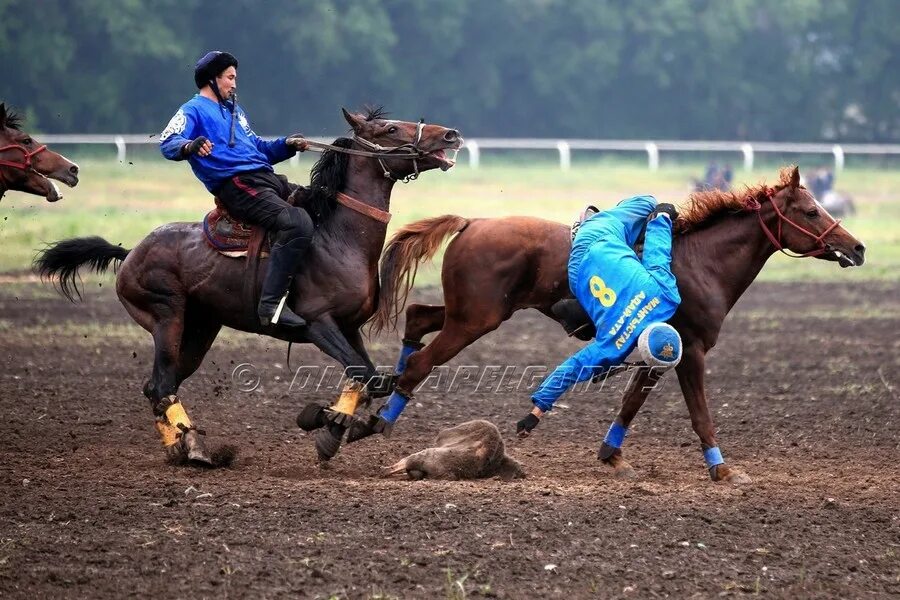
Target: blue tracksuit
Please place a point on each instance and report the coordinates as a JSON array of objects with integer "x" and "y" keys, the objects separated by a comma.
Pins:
[
  {"x": 202, "y": 116},
  {"x": 621, "y": 293}
]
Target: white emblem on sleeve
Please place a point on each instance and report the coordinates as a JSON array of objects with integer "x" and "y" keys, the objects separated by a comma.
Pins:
[
  {"x": 176, "y": 125},
  {"x": 242, "y": 119}
]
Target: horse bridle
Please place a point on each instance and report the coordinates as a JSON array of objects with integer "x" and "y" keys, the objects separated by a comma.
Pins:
[
  {"x": 25, "y": 165},
  {"x": 379, "y": 152},
  {"x": 754, "y": 205}
]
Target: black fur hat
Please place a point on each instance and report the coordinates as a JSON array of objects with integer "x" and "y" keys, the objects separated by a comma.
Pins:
[{"x": 211, "y": 65}]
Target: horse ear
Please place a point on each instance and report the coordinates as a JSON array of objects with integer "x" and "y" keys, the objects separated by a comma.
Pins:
[
  {"x": 795, "y": 177},
  {"x": 2, "y": 115},
  {"x": 354, "y": 120}
]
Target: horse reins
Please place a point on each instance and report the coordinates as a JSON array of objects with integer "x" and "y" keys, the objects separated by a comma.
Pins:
[
  {"x": 755, "y": 205},
  {"x": 380, "y": 152}
]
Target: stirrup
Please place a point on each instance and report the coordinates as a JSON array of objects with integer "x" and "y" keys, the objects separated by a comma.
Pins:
[{"x": 275, "y": 318}]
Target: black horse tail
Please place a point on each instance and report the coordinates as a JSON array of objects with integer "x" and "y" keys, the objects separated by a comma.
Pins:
[
  {"x": 61, "y": 261},
  {"x": 412, "y": 244}
]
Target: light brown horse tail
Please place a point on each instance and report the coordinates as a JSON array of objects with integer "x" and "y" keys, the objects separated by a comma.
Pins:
[{"x": 412, "y": 244}]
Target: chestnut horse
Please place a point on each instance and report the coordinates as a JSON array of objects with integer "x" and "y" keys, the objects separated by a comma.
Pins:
[
  {"x": 28, "y": 166},
  {"x": 182, "y": 291},
  {"x": 495, "y": 267}
]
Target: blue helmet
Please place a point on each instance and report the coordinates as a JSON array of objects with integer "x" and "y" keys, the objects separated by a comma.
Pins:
[{"x": 660, "y": 345}]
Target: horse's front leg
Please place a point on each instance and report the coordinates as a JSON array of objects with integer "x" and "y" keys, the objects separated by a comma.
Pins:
[
  {"x": 640, "y": 386},
  {"x": 690, "y": 376},
  {"x": 334, "y": 421}
]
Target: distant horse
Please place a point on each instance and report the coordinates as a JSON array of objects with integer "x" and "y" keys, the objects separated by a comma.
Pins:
[
  {"x": 182, "y": 291},
  {"x": 495, "y": 267},
  {"x": 26, "y": 165},
  {"x": 838, "y": 203}
]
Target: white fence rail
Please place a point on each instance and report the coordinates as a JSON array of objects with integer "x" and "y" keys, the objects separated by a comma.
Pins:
[{"x": 475, "y": 147}]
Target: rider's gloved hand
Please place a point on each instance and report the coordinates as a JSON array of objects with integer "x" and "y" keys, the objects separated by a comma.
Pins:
[
  {"x": 524, "y": 426},
  {"x": 199, "y": 146},
  {"x": 297, "y": 142},
  {"x": 664, "y": 208}
]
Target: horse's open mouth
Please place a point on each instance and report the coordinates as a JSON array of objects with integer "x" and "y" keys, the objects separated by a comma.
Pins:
[
  {"x": 51, "y": 191},
  {"x": 447, "y": 161},
  {"x": 54, "y": 194},
  {"x": 844, "y": 260}
]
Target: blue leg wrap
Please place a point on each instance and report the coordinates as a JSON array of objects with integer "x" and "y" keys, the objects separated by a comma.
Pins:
[
  {"x": 404, "y": 354},
  {"x": 390, "y": 412},
  {"x": 713, "y": 457},
  {"x": 616, "y": 435}
]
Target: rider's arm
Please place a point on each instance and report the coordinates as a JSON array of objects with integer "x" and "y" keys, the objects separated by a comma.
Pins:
[
  {"x": 657, "y": 257},
  {"x": 178, "y": 134},
  {"x": 275, "y": 150}
]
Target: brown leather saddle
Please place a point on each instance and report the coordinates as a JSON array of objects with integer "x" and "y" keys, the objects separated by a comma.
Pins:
[{"x": 233, "y": 238}]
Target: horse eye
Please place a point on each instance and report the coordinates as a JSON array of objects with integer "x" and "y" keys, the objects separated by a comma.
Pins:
[
  {"x": 812, "y": 213},
  {"x": 27, "y": 141},
  {"x": 392, "y": 130}
]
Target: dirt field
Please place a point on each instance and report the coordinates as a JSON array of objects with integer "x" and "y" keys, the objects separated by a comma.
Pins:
[{"x": 803, "y": 385}]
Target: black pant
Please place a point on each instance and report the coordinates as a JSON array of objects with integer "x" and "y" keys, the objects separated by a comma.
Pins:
[{"x": 257, "y": 198}]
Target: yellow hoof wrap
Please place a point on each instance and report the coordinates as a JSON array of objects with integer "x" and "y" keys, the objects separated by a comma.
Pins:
[
  {"x": 349, "y": 399},
  {"x": 169, "y": 426}
]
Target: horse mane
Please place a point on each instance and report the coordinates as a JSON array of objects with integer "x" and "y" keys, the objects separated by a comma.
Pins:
[
  {"x": 704, "y": 207},
  {"x": 9, "y": 118},
  {"x": 375, "y": 112},
  {"x": 326, "y": 178}
]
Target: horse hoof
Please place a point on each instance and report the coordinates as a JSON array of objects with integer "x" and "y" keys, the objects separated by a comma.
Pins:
[
  {"x": 358, "y": 430},
  {"x": 196, "y": 449},
  {"x": 729, "y": 475},
  {"x": 327, "y": 444},
  {"x": 190, "y": 450},
  {"x": 312, "y": 417},
  {"x": 738, "y": 478},
  {"x": 624, "y": 472}
]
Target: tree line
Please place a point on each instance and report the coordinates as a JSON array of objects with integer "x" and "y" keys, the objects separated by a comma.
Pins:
[{"x": 683, "y": 69}]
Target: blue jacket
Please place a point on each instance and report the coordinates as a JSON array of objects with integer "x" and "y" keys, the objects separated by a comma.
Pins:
[
  {"x": 622, "y": 294},
  {"x": 202, "y": 116}
]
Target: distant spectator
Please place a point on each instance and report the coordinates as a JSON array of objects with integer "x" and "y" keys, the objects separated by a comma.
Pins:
[
  {"x": 715, "y": 178},
  {"x": 821, "y": 182},
  {"x": 727, "y": 177},
  {"x": 712, "y": 172}
]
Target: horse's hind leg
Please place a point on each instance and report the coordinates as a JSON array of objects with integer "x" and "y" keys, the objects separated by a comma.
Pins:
[
  {"x": 196, "y": 340},
  {"x": 422, "y": 319},
  {"x": 174, "y": 349}
]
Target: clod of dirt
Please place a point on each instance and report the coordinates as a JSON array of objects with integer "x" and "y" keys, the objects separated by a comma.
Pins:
[{"x": 471, "y": 450}]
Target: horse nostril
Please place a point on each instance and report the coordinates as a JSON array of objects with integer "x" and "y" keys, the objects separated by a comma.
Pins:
[
  {"x": 73, "y": 170},
  {"x": 860, "y": 248},
  {"x": 451, "y": 136}
]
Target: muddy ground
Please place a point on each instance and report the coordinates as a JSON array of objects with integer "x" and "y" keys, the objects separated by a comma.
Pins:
[{"x": 803, "y": 386}]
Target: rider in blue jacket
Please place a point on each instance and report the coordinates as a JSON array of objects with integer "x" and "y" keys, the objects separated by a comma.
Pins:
[
  {"x": 211, "y": 131},
  {"x": 622, "y": 294}
]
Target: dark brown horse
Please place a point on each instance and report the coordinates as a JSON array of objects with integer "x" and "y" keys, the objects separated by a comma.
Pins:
[
  {"x": 28, "y": 166},
  {"x": 495, "y": 267},
  {"x": 181, "y": 291}
]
